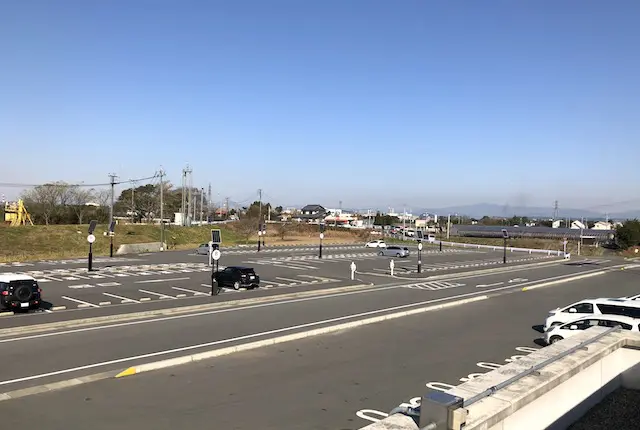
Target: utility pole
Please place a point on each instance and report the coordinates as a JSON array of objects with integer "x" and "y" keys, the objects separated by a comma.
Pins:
[
  {"x": 404, "y": 219},
  {"x": 555, "y": 210},
  {"x": 448, "y": 225},
  {"x": 112, "y": 177},
  {"x": 190, "y": 182},
  {"x": 259, "y": 216},
  {"x": 226, "y": 211},
  {"x": 161, "y": 174},
  {"x": 209, "y": 202},
  {"x": 202, "y": 204},
  {"x": 133, "y": 203},
  {"x": 183, "y": 205}
]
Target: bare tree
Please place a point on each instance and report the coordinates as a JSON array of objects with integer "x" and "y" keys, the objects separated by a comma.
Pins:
[
  {"x": 48, "y": 198},
  {"x": 78, "y": 199},
  {"x": 246, "y": 228},
  {"x": 283, "y": 229}
]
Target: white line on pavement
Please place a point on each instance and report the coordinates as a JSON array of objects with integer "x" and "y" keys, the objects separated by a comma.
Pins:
[
  {"x": 151, "y": 281},
  {"x": 199, "y": 293},
  {"x": 124, "y": 299},
  {"x": 80, "y": 301},
  {"x": 296, "y": 281},
  {"x": 162, "y": 296}
]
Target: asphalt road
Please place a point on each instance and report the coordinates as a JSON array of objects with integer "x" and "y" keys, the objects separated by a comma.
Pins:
[
  {"x": 325, "y": 382},
  {"x": 139, "y": 282},
  {"x": 116, "y": 345}
]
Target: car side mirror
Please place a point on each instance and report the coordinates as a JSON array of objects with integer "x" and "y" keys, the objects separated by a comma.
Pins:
[
  {"x": 573, "y": 327},
  {"x": 572, "y": 311}
]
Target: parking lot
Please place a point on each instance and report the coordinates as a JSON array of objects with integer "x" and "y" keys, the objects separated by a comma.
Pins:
[
  {"x": 174, "y": 276},
  {"x": 345, "y": 379}
]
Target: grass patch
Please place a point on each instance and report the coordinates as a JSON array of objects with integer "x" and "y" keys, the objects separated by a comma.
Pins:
[{"x": 39, "y": 242}]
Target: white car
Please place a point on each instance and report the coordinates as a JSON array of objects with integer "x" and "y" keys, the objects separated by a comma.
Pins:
[
  {"x": 571, "y": 328},
  {"x": 376, "y": 244},
  {"x": 583, "y": 308}
]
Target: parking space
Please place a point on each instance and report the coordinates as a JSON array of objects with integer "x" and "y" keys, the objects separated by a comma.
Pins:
[{"x": 75, "y": 287}]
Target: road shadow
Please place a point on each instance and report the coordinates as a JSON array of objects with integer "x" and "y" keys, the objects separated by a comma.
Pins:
[
  {"x": 538, "y": 327},
  {"x": 540, "y": 342},
  {"x": 46, "y": 305}
]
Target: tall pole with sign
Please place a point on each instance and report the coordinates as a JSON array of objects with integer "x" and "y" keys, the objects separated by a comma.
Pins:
[
  {"x": 259, "y": 235},
  {"x": 321, "y": 237},
  {"x": 264, "y": 232},
  {"x": 419, "y": 256},
  {"x": 91, "y": 238},
  {"x": 505, "y": 236}
]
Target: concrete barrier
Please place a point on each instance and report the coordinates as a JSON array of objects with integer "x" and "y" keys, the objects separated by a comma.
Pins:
[
  {"x": 548, "y": 389},
  {"x": 135, "y": 248}
]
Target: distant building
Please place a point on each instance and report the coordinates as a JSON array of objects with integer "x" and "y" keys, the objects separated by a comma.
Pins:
[
  {"x": 312, "y": 213},
  {"x": 577, "y": 225},
  {"x": 603, "y": 225}
]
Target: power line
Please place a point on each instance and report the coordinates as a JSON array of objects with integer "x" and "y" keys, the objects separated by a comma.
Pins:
[{"x": 81, "y": 184}]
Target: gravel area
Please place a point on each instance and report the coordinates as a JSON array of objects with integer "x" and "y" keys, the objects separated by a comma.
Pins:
[{"x": 619, "y": 411}]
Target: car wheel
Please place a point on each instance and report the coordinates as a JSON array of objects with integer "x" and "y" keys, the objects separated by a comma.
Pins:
[
  {"x": 380, "y": 253},
  {"x": 398, "y": 255},
  {"x": 554, "y": 339},
  {"x": 236, "y": 285}
]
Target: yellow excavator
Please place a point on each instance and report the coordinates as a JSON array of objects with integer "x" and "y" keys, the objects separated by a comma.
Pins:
[{"x": 15, "y": 213}]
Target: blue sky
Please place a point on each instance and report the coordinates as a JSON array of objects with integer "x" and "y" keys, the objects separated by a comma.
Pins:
[{"x": 374, "y": 103}]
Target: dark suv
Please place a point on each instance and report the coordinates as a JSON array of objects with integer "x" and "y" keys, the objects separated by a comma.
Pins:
[
  {"x": 237, "y": 277},
  {"x": 19, "y": 292}
]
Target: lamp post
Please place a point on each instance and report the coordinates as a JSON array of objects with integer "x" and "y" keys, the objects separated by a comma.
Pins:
[
  {"x": 321, "y": 237},
  {"x": 419, "y": 256},
  {"x": 505, "y": 236}
]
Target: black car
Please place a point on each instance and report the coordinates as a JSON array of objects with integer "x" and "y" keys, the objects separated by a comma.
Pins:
[
  {"x": 237, "y": 277},
  {"x": 19, "y": 292}
]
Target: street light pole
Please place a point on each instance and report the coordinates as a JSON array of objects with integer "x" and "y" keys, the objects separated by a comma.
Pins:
[{"x": 505, "y": 236}]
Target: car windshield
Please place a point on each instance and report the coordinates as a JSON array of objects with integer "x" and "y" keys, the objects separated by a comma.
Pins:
[{"x": 247, "y": 271}]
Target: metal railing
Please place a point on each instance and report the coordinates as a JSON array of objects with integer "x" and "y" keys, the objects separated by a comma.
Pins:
[{"x": 488, "y": 392}]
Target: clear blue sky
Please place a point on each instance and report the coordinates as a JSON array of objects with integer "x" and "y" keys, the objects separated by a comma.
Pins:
[{"x": 375, "y": 103}]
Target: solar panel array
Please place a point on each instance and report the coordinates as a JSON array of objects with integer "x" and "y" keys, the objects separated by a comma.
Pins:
[{"x": 530, "y": 232}]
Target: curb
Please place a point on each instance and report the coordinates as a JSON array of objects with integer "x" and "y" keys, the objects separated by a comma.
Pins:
[
  {"x": 83, "y": 322},
  {"x": 559, "y": 281},
  {"x": 54, "y": 386},
  {"x": 162, "y": 364}
]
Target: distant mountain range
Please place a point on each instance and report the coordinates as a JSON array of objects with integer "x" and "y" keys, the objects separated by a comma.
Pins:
[{"x": 493, "y": 210}]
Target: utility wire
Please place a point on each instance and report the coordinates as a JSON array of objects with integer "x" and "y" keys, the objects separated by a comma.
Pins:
[{"x": 106, "y": 184}]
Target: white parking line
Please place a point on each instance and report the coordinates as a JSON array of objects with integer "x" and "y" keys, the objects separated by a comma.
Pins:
[
  {"x": 152, "y": 281},
  {"x": 198, "y": 293},
  {"x": 296, "y": 281},
  {"x": 124, "y": 299},
  {"x": 162, "y": 296},
  {"x": 80, "y": 302}
]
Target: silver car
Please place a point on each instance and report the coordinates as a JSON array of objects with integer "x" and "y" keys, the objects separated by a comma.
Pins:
[
  {"x": 394, "y": 251},
  {"x": 203, "y": 249}
]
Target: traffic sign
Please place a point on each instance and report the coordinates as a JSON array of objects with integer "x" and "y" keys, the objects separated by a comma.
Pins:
[
  {"x": 216, "y": 254},
  {"x": 91, "y": 238},
  {"x": 321, "y": 235},
  {"x": 420, "y": 246},
  {"x": 216, "y": 237}
]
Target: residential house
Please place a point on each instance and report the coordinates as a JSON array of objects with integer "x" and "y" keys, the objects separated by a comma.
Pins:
[
  {"x": 603, "y": 225},
  {"x": 312, "y": 213}
]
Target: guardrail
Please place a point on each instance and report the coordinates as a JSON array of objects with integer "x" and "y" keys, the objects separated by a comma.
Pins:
[{"x": 499, "y": 248}]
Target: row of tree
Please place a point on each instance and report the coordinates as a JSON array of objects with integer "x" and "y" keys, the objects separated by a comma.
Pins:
[{"x": 63, "y": 203}]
